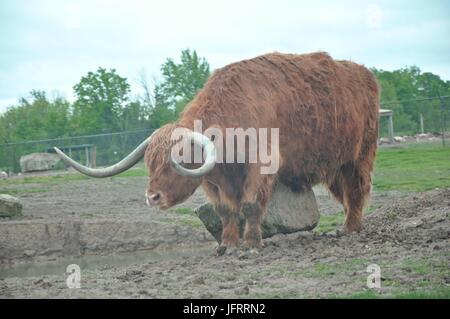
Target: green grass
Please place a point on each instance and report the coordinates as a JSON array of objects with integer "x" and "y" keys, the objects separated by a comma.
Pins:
[
  {"x": 414, "y": 168},
  {"x": 183, "y": 211},
  {"x": 70, "y": 177},
  {"x": 194, "y": 223},
  {"x": 184, "y": 216},
  {"x": 17, "y": 191},
  {"x": 42, "y": 179},
  {"x": 330, "y": 222},
  {"x": 138, "y": 171}
]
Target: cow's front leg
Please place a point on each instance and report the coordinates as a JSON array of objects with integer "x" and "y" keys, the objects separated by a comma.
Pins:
[
  {"x": 257, "y": 193},
  {"x": 253, "y": 214},
  {"x": 230, "y": 230}
]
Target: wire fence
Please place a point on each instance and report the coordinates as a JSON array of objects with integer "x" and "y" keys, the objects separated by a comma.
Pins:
[
  {"x": 418, "y": 117},
  {"x": 410, "y": 118},
  {"x": 109, "y": 148}
]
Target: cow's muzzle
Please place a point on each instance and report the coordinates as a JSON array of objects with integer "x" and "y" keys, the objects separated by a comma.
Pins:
[{"x": 153, "y": 199}]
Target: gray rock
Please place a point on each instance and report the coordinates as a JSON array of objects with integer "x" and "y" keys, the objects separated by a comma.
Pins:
[
  {"x": 384, "y": 140},
  {"x": 9, "y": 206},
  {"x": 38, "y": 162},
  {"x": 288, "y": 212},
  {"x": 3, "y": 175}
]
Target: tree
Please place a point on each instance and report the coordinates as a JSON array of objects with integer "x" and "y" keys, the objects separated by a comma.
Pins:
[
  {"x": 180, "y": 83},
  {"x": 407, "y": 84},
  {"x": 101, "y": 98},
  {"x": 35, "y": 118}
]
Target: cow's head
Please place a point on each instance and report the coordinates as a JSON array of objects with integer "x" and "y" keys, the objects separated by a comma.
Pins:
[{"x": 170, "y": 182}]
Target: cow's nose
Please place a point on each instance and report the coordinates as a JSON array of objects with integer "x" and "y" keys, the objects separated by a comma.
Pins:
[{"x": 152, "y": 199}]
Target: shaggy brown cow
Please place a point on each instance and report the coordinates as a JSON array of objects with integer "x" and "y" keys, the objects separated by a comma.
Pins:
[{"x": 327, "y": 115}]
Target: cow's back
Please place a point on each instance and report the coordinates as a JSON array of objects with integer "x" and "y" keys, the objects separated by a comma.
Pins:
[{"x": 326, "y": 110}]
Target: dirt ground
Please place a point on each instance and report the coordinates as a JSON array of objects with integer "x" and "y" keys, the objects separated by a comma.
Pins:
[{"x": 406, "y": 235}]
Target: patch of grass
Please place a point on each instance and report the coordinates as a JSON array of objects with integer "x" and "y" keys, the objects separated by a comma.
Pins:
[
  {"x": 183, "y": 211},
  {"x": 184, "y": 216},
  {"x": 55, "y": 179},
  {"x": 321, "y": 270},
  {"x": 16, "y": 191},
  {"x": 330, "y": 222},
  {"x": 194, "y": 223},
  {"x": 138, "y": 171},
  {"x": 425, "y": 266},
  {"x": 414, "y": 168},
  {"x": 42, "y": 179}
]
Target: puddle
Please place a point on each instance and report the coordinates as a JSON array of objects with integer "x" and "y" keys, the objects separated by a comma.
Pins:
[{"x": 96, "y": 262}]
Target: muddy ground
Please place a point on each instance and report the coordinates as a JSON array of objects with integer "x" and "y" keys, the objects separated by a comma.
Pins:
[{"x": 407, "y": 235}]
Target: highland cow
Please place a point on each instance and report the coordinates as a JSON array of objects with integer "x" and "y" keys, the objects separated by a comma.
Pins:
[{"x": 327, "y": 114}]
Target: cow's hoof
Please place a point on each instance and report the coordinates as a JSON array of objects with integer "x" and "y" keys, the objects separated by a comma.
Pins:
[
  {"x": 253, "y": 244},
  {"x": 227, "y": 250},
  {"x": 253, "y": 252},
  {"x": 221, "y": 250},
  {"x": 248, "y": 253},
  {"x": 353, "y": 228}
]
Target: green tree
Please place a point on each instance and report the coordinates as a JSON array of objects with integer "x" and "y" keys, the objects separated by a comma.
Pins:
[
  {"x": 100, "y": 100},
  {"x": 180, "y": 83},
  {"x": 405, "y": 85},
  {"x": 35, "y": 118}
]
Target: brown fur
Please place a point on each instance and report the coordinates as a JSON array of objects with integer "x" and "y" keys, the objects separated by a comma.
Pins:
[{"x": 327, "y": 115}]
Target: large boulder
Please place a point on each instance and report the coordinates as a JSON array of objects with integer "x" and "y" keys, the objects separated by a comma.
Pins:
[
  {"x": 38, "y": 162},
  {"x": 287, "y": 212},
  {"x": 9, "y": 206}
]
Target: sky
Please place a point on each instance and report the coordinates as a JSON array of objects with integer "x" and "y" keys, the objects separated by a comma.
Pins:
[{"x": 50, "y": 44}]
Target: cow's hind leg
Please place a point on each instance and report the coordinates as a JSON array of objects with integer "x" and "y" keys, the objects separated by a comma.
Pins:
[
  {"x": 336, "y": 188},
  {"x": 356, "y": 184}
]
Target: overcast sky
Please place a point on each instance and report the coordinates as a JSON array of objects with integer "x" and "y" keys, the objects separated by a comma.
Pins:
[{"x": 50, "y": 44}]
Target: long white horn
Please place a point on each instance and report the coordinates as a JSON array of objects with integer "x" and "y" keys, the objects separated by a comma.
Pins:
[
  {"x": 210, "y": 156},
  {"x": 112, "y": 170}
]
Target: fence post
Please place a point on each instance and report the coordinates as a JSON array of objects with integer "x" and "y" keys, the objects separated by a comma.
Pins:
[
  {"x": 421, "y": 124},
  {"x": 391, "y": 128},
  {"x": 94, "y": 156},
  {"x": 86, "y": 150},
  {"x": 443, "y": 124}
]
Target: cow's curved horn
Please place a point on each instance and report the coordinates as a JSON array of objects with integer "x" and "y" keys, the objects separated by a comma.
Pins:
[
  {"x": 112, "y": 170},
  {"x": 210, "y": 156}
]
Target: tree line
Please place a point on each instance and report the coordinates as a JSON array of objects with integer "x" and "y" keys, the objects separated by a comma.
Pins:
[{"x": 104, "y": 102}]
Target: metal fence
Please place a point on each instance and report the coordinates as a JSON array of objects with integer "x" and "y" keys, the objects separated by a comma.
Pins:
[
  {"x": 109, "y": 148},
  {"x": 410, "y": 117},
  {"x": 419, "y": 116}
]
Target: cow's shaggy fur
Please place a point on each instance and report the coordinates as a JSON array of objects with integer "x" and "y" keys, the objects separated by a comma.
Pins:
[{"x": 327, "y": 115}]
